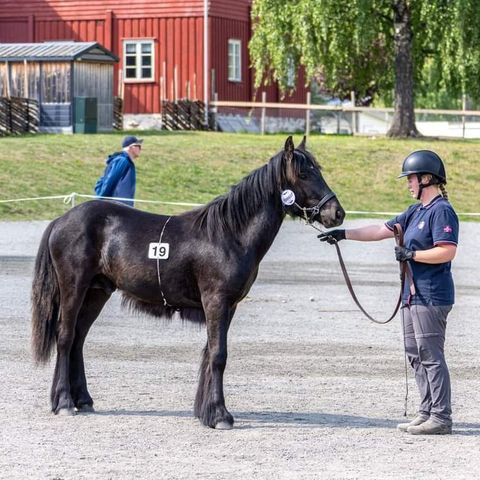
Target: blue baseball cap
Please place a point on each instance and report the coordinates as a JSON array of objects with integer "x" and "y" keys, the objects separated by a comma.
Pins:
[{"x": 131, "y": 140}]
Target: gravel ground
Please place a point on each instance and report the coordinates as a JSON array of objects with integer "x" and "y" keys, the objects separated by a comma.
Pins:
[{"x": 315, "y": 388}]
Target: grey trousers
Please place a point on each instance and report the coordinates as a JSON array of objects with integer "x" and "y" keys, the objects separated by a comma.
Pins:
[{"x": 424, "y": 332}]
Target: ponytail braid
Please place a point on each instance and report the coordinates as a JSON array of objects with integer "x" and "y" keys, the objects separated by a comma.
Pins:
[{"x": 443, "y": 190}]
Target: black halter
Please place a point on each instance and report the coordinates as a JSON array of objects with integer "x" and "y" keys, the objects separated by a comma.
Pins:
[
  {"x": 315, "y": 210},
  {"x": 309, "y": 213}
]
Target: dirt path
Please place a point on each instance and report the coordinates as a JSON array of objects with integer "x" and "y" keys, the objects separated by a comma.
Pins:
[{"x": 316, "y": 390}]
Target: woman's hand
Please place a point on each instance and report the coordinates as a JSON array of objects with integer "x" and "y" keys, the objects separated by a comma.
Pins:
[
  {"x": 403, "y": 254},
  {"x": 333, "y": 236}
]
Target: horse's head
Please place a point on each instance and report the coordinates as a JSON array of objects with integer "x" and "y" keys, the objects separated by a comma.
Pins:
[{"x": 305, "y": 192}]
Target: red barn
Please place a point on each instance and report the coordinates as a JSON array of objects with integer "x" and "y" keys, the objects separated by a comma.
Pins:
[{"x": 160, "y": 44}]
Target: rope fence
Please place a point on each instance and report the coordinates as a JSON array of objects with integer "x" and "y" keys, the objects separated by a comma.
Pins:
[{"x": 70, "y": 199}]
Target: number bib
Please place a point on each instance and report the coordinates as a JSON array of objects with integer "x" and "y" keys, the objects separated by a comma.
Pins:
[{"x": 158, "y": 250}]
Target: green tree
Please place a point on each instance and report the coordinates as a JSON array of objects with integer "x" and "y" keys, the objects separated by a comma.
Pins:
[{"x": 372, "y": 47}]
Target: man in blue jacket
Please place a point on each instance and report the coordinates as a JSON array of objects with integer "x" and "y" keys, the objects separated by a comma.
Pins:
[{"x": 119, "y": 178}]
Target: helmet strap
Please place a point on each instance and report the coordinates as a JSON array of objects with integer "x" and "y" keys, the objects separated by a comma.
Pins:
[{"x": 421, "y": 186}]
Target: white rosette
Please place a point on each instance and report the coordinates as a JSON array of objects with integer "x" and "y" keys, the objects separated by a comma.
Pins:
[{"x": 288, "y": 198}]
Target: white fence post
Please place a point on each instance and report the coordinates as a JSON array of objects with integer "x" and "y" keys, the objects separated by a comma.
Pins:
[
  {"x": 464, "y": 105},
  {"x": 262, "y": 122},
  {"x": 307, "y": 115},
  {"x": 354, "y": 113}
]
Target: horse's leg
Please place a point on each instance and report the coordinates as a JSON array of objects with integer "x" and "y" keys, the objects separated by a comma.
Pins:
[
  {"x": 210, "y": 401},
  {"x": 72, "y": 296},
  {"x": 203, "y": 383},
  {"x": 94, "y": 301}
]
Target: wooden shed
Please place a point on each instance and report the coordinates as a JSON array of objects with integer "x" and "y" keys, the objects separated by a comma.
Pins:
[{"x": 63, "y": 77}]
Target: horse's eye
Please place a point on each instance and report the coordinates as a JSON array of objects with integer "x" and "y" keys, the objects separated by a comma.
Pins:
[{"x": 303, "y": 175}]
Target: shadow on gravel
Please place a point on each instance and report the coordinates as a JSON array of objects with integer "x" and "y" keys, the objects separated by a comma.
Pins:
[
  {"x": 144, "y": 413},
  {"x": 314, "y": 419},
  {"x": 466, "y": 429},
  {"x": 268, "y": 419}
]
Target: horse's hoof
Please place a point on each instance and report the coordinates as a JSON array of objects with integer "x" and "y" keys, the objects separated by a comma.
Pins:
[
  {"x": 85, "y": 409},
  {"x": 65, "y": 412},
  {"x": 223, "y": 426}
]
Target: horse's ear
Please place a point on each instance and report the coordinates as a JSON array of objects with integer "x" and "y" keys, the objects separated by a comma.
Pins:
[
  {"x": 289, "y": 147},
  {"x": 303, "y": 144}
]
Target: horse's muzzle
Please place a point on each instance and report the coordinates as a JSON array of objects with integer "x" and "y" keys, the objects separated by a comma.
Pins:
[{"x": 332, "y": 214}]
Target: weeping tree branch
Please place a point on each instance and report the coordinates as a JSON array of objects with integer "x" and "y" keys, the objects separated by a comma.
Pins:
[{"x": 391, "y": 45}]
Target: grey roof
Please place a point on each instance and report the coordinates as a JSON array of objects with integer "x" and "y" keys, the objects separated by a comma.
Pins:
[{"x": 56, "y": 51}]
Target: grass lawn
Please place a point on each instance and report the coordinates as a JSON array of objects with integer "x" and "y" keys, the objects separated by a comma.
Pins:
[{"x": 197, "y": 166}]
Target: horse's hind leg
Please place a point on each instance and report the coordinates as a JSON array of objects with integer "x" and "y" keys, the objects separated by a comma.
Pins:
[
  {"x": 71, "y": 300},
  {"x": 94, "y": 301},
  {"x": 210, "y": 401}
]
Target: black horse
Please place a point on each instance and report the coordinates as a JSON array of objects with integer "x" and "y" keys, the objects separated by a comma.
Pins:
[{"x": 200, "y": 264}]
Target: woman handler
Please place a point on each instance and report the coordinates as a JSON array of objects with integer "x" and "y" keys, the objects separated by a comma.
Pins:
[{"x": 431, "y": 235}]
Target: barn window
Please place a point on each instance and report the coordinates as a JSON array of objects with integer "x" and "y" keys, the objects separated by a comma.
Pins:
[
  {"x": 234, "y": 61},
  {"x": 138, "y": 60}
]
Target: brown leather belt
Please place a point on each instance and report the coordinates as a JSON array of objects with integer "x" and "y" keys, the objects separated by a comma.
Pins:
[{"x": 405, "y": 273}]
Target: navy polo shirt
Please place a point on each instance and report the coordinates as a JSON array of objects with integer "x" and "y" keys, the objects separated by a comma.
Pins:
[{"x": 425, "y": 227}]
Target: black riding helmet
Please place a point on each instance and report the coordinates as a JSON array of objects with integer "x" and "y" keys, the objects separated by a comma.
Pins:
[{"x": 424, "y": 161}]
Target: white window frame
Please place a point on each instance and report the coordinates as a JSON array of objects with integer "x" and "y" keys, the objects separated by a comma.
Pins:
[
  {"x": 234, "y": 60},
  {"x": 138, "y": 60}
]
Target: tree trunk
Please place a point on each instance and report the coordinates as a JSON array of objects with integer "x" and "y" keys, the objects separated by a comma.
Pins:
[{"x": 403, "y": 124}]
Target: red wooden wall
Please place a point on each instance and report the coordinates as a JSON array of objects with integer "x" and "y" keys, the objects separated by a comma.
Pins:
[{"x": 176, "y": 27}]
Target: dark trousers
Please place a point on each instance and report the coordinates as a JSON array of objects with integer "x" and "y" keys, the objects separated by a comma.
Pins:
[{"x": 424, "y": 329}]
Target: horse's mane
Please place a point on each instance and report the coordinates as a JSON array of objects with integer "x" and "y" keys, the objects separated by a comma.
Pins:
[{"x": 232, "y": 211}]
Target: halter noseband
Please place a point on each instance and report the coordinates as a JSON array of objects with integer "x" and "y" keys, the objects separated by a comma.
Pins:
[{"x": 315, "y": 210}]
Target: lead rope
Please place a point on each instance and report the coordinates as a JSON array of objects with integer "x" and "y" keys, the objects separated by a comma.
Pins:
[
  {"x": 165, "y": 303},
  {"x": 404, "y": 273}
]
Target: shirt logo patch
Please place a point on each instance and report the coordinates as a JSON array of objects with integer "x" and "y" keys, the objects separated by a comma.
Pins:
[
  {"x": 421, "y": 225},
  {"x": 448, "y": 229}
]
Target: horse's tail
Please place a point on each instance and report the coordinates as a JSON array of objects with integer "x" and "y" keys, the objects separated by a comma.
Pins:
[{"x": 45, "y": 301}]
